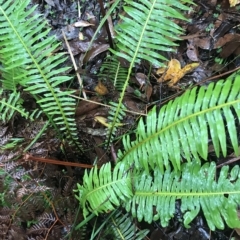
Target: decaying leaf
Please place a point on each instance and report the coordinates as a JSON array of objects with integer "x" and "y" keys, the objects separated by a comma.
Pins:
[
  {"x": 174, "y": 72},
  {"x": 144, "y": 83},
  {"x": 192, "y": 51},
  {"x": 103, "y": 121},
  {"x": 142, "y": 79},
  {"x": 101, "y": 89},
  {"x": 82, "y": 23},
  {"x": 234, "y": 2},
  {"x": 94, "y": 51}
]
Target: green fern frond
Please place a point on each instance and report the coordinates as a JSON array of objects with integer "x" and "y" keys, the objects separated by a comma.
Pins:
[
  {"x": 195, "y": 186},
  {"x": 148, "y": 28},
  {"x": 30, "y": 62},
  {"x": 146, "y": 31},
  {"x": 217, "y": 199},
  {"x": 9, "y": 105},
  {"x": 183, "y": 127},
  {"x": 112, "y": 69},
  {"x": 121, "y": 226},
  {"x": 104, "y": 189}
]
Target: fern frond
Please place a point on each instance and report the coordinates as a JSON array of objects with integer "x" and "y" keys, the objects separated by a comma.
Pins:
[
  {"x": 112, "y": 69},
  {"x": 146, "y": 31},
  {"x": 10, "y": 104},
  {"x": 121, "y": 226},
  {"x": 183, "y": 127},
  {"x": 195, "y": 186},
  {"x": 148, "y": 28},
  {"x": 36, "y": 66},
  {"x": 103, "y": 190}
]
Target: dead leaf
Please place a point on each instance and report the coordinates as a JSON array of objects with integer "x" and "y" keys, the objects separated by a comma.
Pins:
[
  {"x": 202, "y": 42},
  {"x": 80, "y": 36},
  {"x": 104, "y": 120},
  {"x": 192, "y": 51},
  {"x": 85, "y": 106},
  {"x": 234, "y": 2},
  {"x": 101, "y": 89},
  {"x": 82, "y": 23},
  {"x": 142, "y": 79},
  {"x": 174, "y": 72},
  {"x": 148, "y": 91},
  {"x": 94, "y": 51},
  {"x": 225, "y": 39}
]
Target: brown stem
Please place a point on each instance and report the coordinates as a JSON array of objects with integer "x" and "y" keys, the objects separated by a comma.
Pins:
[{"x": 57, "y": 162}]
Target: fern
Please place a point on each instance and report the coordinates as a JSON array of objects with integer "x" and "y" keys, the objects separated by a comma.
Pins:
[
  {"x": 145, "y": 31},
  {"x": 122, "y": 226},
  {"x": 179, "y": 131},
  {"x": 112, "y": 69},
  {"x": 148, "y": 28},
  {"x": 9, "y": 105},
  {"x": 195, "y": 186},
  {"x": 101, "y": 200},
  {"x": 185, "y": 125},
  {"x": 32, "y": 64}
]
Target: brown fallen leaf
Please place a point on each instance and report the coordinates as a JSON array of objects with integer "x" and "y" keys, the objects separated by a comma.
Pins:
[
  {"x": 101, "y": 89},
  {"x": 94, "y": 51},
  {"x": 234, "y": 2},
  {"x": 192, "y": 51},
  {"x": 142, "y": 79},
  {"x": 86, "y": 106},
  {"x": 174, "y": 72}
]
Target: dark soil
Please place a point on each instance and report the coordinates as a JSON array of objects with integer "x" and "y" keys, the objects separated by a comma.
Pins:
[{"x": 207, "y": 41}]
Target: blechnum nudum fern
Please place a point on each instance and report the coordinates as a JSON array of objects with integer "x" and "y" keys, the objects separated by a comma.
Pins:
[
  {"x": 163, "y": 163},
  {"x": 28, "y": 60},
  {"x": 143, "y": 177},
  {"x": 145, "y": 31}
]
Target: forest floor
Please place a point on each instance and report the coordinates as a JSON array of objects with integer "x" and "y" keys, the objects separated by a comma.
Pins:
[{"x": 212, "y": 40}]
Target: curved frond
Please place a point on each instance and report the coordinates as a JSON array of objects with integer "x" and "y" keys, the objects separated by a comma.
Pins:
[
  {"x": 31, "y": 63},
  {"x": 183, "y": 127}
]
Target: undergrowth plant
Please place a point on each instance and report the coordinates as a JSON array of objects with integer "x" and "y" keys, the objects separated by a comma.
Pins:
[
  {"x": 29, "y": 62},
  {"x": 162, "y": 162}
]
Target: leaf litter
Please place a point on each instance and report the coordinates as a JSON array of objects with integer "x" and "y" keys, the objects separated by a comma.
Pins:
[{"x": 210, "y": 48}]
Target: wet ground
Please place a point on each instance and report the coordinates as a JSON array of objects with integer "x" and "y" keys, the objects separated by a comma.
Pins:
[{"x": 212, "y": 40}]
